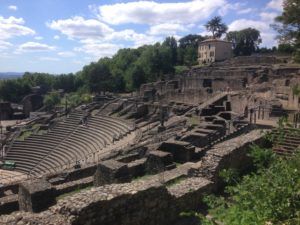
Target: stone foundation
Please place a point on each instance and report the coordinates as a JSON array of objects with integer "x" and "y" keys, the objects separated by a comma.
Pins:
[
  {"x": 181, "y": 151},
  {"x": 111, "y": 171},
  {"x": 36, "y": 195}
]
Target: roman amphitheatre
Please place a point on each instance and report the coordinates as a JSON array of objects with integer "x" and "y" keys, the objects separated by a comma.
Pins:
[{"x": 146, "y": 157}]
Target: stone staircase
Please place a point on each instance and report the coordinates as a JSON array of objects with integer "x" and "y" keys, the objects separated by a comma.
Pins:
[{"x": 286, "y": 141}]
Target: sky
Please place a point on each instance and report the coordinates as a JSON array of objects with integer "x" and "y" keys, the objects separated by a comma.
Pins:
[{"x": 61, "y": 36}]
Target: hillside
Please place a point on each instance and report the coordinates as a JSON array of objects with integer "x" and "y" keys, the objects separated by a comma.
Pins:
[{"x": 10, "y": 75}]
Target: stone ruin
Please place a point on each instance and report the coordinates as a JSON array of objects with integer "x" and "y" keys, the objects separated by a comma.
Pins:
[{"x": 131, "y": 171}]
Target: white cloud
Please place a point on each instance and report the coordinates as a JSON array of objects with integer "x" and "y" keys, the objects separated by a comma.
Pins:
[
  {"x": 91, "y": 33},
  {"x": 78, "y": 62},
  {"x": 275, "y": 4},
  {"x": 66, "y": 54},
  {"x": 56, "y": 37},
  {"x": 49, "y": 59},
  {"x": 13, "y": 7},
  {"x": 268, "y": 17},
  {"x": 138, "y": 39},
  {"x": 227, "y": 7},
  {"x": 245, "y": 23},
  {"x": 245, "y": 11},
  {"x": 205, "y": 33},
  {"x": 4, "y": 45},
  {"x": 266, "y": 32},
  {"x": 78, "y": 27},
  {"x": 150, "y": 12},
  {"x": 34, "y": 47},
  {"x": 38, "y": 38},
  {"x": 98, "y": 49},
  {"x": 12, "y": 26},
  {"x": 167, "y": 29}
]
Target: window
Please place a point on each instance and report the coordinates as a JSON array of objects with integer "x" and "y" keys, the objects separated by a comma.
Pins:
[
  {"x": 212, "y": 54},
  {"x": 209, "y": 46}
]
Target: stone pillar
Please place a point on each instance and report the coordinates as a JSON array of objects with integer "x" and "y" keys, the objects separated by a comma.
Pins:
[
  {"x": 36, "y": 195},
  {"x": 228, "y": 106},
  {"x": 157, "y": 160},
  {"x": 111, "y": 171}
]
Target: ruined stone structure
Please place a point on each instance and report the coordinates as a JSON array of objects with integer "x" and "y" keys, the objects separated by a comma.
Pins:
[
  {"x": 6, "y": 111},
  {"x": 134, "y": 170},
  {"x": 32, "y": 103}
]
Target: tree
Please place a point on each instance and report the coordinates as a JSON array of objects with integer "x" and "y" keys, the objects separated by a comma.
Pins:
[
  {"x": 288, "y": 25},
  {"x": 170, "y": 42},
  {"x": 98, "y": 76},
  {"x": 286, "y": 48},
  {"x": 51, "y": 100},
  {"x": 245, "y": 41},
  {"x": 138, "y": 77},
  {"x": 187, "y": 53},
  {"x": 216, "y": 26},
  {"x": 65, "y": 82},
  {"x": 14, "y": 90},
  {"x": 270, "y": 195}
]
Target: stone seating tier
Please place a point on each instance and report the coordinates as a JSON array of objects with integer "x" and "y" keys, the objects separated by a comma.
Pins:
[{"x": 66, "y": 142}]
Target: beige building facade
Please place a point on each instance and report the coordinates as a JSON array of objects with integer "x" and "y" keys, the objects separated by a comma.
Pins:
[{"x": 213, "y": 50}]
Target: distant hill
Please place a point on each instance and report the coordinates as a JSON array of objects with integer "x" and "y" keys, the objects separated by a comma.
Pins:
[{"x": 10, "y": 75}]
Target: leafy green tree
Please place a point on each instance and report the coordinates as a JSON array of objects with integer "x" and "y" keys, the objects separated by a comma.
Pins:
[
  {"x": 138, "y": 77},
  {"x": 86, "y": 98},
  {"x": 190, "y": 40},
  {"x": 43, "y": 80},
  {"x": 51, "y": 100},
  {"x": 14, "y": 90},
  {"x": 266, "y": 50},
  {"x": 288, "y": 26},
  {"x": 65, "y": 82},
  {"x": 269, "y": 196},
  {"x": 286, "y": 48},
  {"x": 187, "y": 52},
  {"x": 170, "y": 42},
  {"x": 216, "y": 26},
  {"x": 98, "y": 77},
  {"x": 190, "y": 56},
  {"x": 245, "y": 41}
]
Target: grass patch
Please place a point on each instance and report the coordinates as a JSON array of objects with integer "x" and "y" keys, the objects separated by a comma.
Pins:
[
  {"x": 142, "y": 177},
  {"x": 181, "y": 69},
  {"x": 24, "y": 134},
  {"x": 175, "y": 181},
  {"x": 194, "y": 120},
  {"x": 77, "y": 190}
]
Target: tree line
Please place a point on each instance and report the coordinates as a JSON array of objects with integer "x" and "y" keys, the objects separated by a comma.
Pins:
[
  {"x": 125, "y": 71},
  {"x": 129, "y": 68}
]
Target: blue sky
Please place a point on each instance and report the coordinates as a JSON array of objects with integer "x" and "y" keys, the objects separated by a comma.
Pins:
[{"x": 61, "y": 36}]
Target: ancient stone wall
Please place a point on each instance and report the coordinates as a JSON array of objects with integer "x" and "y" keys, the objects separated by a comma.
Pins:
[
  {"x": 228, "y": 154},
  {"x": 140, "y": 202},
  {"x": 146, "y": 201}
]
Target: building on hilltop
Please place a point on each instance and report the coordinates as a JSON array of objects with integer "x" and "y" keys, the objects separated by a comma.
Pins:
[{"x": 212, "y": 50}]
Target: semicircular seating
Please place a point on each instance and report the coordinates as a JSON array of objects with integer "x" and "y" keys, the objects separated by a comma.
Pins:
[{"x": 67, "y": 142}]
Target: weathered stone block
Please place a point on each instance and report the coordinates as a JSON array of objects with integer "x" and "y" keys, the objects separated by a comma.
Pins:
[
  {"x": 158, "y": 161},
  {"x": 197, "y": 139},
  {"x": 36, "y": 195},
  {"x": 137, "y": 167},
  {"x": 111, "y": 171},
  {"x": 181, "y": 151}
]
